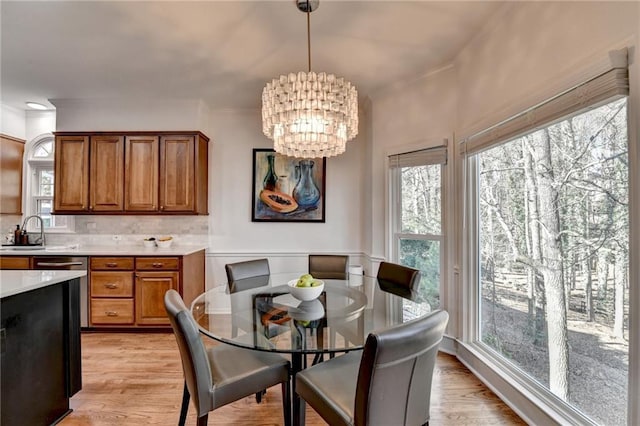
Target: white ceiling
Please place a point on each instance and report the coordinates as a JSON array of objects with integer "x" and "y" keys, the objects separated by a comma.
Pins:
[{"x": 222, "y": 52}]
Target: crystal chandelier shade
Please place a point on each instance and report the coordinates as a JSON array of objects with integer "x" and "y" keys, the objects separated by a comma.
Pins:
[{"x": 308, "y": 114}]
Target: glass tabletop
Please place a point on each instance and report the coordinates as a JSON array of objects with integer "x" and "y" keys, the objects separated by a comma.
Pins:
[{"x": 260, "y": 313}]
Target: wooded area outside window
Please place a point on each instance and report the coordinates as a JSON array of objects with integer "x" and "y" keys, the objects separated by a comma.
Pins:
[
  {"x": 40, "y": 186},
  {"x": 551, "y": 218},
  {"x": 416, "y": 190}
]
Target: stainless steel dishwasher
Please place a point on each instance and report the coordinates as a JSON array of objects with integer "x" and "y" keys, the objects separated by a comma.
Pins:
[{"x": 66, "y": 263}]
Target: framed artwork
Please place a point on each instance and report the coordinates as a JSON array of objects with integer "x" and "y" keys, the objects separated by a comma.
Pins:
[{"x": 287, "y": 189}]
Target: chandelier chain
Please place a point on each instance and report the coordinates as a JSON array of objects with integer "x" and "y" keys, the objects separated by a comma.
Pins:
[{"x": 309, "y": 35}]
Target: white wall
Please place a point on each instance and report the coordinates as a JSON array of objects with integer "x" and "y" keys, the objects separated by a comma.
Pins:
[
  {"x": 131, "y": 114},
  {"x": 39, "y": 123},
  {"x": 418, "y": 115},
  {"x": 531, "y": 51},
  {"x": 12, "y": 122},
  {"x": 232, "y": 235}
]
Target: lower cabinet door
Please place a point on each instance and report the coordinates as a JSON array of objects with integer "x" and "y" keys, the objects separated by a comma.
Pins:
[{"x": 150, "y": 290}]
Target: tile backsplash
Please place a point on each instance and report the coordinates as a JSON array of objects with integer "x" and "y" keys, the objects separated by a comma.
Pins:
[
  {"x": 153, "y": 225},
  {"x": 131, "y": 229}
]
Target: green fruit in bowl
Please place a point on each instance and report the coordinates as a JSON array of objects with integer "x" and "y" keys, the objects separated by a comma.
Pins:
[
  {"x": 316, "y": 283},
  {"x": 303, "y": 283},
  {"x": 305, "y": 280}
]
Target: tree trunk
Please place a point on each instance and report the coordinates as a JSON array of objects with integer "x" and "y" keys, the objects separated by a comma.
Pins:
[
  {"x": 603, "y": 274},
  {"x": 552, "y": 271},
  {"x": 618, "y": 289},
  {"x": 588, "y": 286},
  {"x": 536, "y": 291}
]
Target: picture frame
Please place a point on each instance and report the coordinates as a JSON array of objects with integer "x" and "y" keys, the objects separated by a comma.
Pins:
[{"x": 287, "y": 189}]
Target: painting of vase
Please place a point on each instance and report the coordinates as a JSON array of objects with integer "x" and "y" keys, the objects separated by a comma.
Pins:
[{"x": 287, "y": 189}]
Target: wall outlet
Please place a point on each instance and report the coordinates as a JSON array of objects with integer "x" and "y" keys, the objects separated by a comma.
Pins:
[{"x": 116, "y": 237}]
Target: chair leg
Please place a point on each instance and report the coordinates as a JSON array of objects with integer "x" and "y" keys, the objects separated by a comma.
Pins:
[
  {"x": 286, "y": 402},
  {"x": 185, "y": 405},
  {"x": 202, "y": 421},
  {"x": 259, "y": 395},
  {"x": 318, "y": 358}
]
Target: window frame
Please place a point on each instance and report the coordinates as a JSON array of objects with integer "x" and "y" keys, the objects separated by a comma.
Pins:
[
  {"x": 33, "y": 167},
  {"x": 496, "y": 370},
  {"x": 394, "y": 224}
]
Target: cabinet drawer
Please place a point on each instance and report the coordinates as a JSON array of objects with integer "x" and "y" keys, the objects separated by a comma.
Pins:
[
  {"x": 112, "y": 263},
  {"x": 112, "y": 311},
  {"x": 12, "y": 262},
  {"x": 111, "y": 284},
  {"x": 157, "y": 263}
]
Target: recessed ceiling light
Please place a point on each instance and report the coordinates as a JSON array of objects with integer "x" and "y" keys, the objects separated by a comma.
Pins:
[{"x": 35, "y": 105}]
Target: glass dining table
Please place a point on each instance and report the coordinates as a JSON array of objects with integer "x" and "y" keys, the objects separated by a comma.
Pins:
[{"x": 260, "y": 314}]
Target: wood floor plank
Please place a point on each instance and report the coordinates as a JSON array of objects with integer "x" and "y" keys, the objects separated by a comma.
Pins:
[{"x": 136, "y": 379}]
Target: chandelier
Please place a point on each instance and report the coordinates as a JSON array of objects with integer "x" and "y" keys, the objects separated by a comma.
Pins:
[{"x": 308, "y": 114}]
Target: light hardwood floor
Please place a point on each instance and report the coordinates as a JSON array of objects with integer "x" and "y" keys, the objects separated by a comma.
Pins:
[{"x": 136, "y": 379}]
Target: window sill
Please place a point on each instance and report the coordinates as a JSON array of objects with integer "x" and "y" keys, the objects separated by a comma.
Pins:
[{"x": 530, "y": 400}]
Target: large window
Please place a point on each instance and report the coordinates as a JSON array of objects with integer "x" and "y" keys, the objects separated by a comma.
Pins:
[
  {"x": 40, "y": 188},
  {"x": 553, "y": 257},
  {"x": 416, "y": 188}
]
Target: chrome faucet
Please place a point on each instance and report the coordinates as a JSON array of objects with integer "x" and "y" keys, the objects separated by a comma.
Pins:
[{"x": 24, "y": 227}]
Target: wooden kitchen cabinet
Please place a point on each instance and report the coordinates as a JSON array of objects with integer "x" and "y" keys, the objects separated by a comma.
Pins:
[
  {"x": 11, "y": 154},
  {"x": 132, "y": 173},
  {"x": 71, "y": 189},
  {"x": 128, "y": 292},
  {"x": 106, "y": 189},
  {"x": 111, "y": 291},
  {"x": 150, "y": 290},
  {"x": 183, "y": 173},
  {"x": 141, "y": 174}
]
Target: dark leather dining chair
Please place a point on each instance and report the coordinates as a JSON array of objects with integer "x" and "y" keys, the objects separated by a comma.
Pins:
[
  {"x": 250, "y": 274},
  {"x": 399, "y": 279},
  {"x": 329, "y": 266},
  {"x": 246, "y": 275},
  {"x": 388, "y": 383},
  {"x": 222, "y": 374},
  {"x": 247, "y": 269}
]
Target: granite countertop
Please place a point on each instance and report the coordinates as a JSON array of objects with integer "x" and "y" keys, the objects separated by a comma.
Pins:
[
  {"x": 104, "y": 250},
  {"x": 16, "y": 282}
]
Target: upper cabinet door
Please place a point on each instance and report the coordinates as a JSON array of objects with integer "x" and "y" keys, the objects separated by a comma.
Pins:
[
  {"x": 107, "y": 172},
  {"x": 71, "y": 189},
  {"x": 11, "y": 153},
  {"x": 141, "y": 173},
  {"x": 177, "y": 174}
]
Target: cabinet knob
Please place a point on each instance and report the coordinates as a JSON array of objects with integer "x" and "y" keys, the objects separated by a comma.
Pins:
[
  {"x": 157, "y": 264},
  {"x": 111, "y": 313},
  {"x": 111, "y": 265},
  {"x": 90, "y": 207},
  {"x": 111, "y": 285},
  {"x": 161, "y": 207}
]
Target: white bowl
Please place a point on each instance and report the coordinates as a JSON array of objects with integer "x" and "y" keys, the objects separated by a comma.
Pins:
[
  {"x": 164, "y": 244},
  {"x": 148, "y": 243},
  {"x": 305, "y": 294}
]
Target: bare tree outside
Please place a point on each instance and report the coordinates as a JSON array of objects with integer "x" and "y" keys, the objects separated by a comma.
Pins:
[{"x": 554, "y": 256}]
